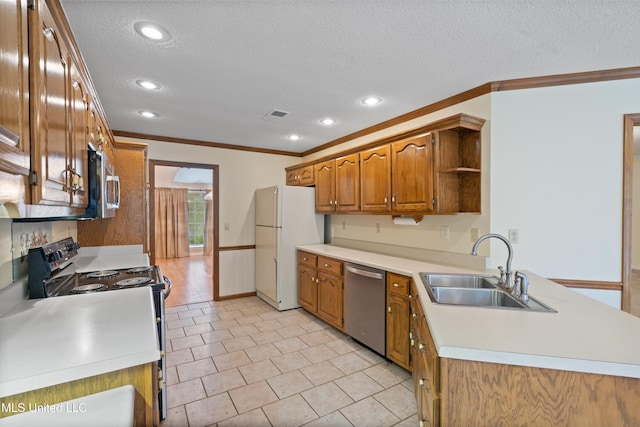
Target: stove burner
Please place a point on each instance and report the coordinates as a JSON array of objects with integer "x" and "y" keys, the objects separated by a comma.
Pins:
[
  {"x": 102, "y": 274},
  {"x": 92, "y": 287},
  {"x": 133, "y": 282},
  {"x": 136, "y": 270}
]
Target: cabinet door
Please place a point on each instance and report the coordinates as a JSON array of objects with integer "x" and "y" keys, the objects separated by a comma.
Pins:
[
  {"x": 330, "y": 299},
  {"x": 398, "y": 329},
  {"x": 292, "y": 177},
  {"x": 79, "y": 101},
  {"x": 375, "y": 180},
  {"x": 347, "y": 183},
  {"x": 307, "y": 288},
  {"x": 50, "y": 109},
  {"x": 412, "y": 175},
  {"x": 306, "y": 176},
  {"x": 325, "y": 186},
  {"x": 14, "y": 81}
]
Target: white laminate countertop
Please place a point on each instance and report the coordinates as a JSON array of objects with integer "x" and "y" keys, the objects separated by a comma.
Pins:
[
  {"x": 56, "y": 340},
  {"x": 584, "y": 335}
]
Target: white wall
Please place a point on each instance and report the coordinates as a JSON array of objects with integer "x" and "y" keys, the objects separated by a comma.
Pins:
[
  {"x": 239, "y": 173},
  {"x": 426, "y": 235},
  {"x": 635, "y": 229},
  {"x": 556, "y": 165}
]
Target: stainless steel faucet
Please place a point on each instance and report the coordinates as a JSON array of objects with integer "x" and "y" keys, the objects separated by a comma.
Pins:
[{"x": 506, "y": 277}]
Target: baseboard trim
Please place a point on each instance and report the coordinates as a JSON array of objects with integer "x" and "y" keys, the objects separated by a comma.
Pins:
[{"x": 236, "y": 296}]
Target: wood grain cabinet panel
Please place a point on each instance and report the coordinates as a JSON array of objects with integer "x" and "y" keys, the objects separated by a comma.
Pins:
[
  {"x": 331, "y": 299},
  {"x": 303, "y": 176},
  {"x": 347, "y": 183},
  {"x": 320, "y": 287},
  {"x": 398, "y": 319},
  {"x": 79, "y": 138},
  {"x": 412, "y": 175},
  {"x": 375, "y": 180},
  {"x": 14, "y": 81},
  {"x": 307, "y": 288},
  {"x": 325, "y": 173}
]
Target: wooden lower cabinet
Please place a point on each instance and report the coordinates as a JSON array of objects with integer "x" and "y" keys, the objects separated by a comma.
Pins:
[
  {"x": 398, "y": 312},
  {"x": 321, "y": 287},
  {"x": 453, "y": 392},
  {"x": 144, "y": 379}
]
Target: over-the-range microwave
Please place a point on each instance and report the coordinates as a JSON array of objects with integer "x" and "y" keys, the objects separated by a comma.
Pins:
[{"x": 104, "y": 187}]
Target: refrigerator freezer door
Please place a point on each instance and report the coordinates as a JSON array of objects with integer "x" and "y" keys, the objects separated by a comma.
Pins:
[
  {"x": 268, "y": 207},
  {"x": 267, "y": 255}
]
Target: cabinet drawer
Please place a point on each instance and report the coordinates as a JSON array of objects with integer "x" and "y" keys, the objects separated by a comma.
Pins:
[
  {"x": 307, "y": 259},
  {"x": 398, "y": 284},
  {"x": 330, "y": 265}
]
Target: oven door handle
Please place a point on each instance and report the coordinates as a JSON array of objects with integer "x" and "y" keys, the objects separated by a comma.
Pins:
[{"x": 168, "y": 282}]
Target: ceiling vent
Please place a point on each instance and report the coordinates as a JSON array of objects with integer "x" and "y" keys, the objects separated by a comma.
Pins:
[{"x": 276, "y": 115}]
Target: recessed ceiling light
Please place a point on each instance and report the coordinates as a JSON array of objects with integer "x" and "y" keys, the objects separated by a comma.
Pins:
[
  {"x": 328, "y": 121},
  {"x": 147, "y": 84},
  {"x": 294, "y": 137},
  {"x": 148, "y": 114},
  {"x": 371, "y": 100},
  {"x": 151, "y": 31}
]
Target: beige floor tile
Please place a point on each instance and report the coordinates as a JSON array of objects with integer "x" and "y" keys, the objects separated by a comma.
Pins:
[
  {"x": 398, "y": 399},
  {"x": 171, "y": 375},
  {"x": 222, "y": 381},
  {"x": 257, "y": 371},
  {"x": 334, "y": 419},
  {"x": 198, "y": 305},
  {"x": 350, "y": 363},
  {"x": 171, "y": 316},
  {"x": 293, "y": 319},
  {"x": 220, "y": 325},
  {"x": 235, "y": 344},
  {"x": 288, "y": 384},
  {"x": 186, "y": 342},
  {"x": 216, "y": 336},
  {"x": 358, "y": 385},
  {"x": 409, "y": 384},
  {"x": 291, "y": 331},
  {"x": 206, "y": 318},
  {"x": 243, "y": 330},
  {"x": 267, "y": 325},
  {"x": 190, "y": 313},
  {"x": 210, "y": 410},
  {"x": 197, "y": 369},
  {"x": 174, "y": 333},
  {"x": 176, "y": 417},
  {"x": 342, "y": 346},
  {"x": 248, "y": 319},
  {"x": 412, "y": 421},
  {"x": 267, "y": 336},
  {"x": 198, "y": 329},
  {"x": 252, "y": 396},
  {"x": 172, "y": 324},
  {"x": 326, "y": 398},
  {"x": 208, "y": 350},
  {"x": 313, "y": 326},
  {"x": 231, "y": 360},
  {"x": 370, "y": 356},
  {"x": 290, "y": 361},
  {"x": 318, "y": 353},
  {"x": 271, "y": 315},
  {"x": 387, "y": 374},
  {"x": 255, "y": 418},
  {"x": 262, "y": 352},
  {"x": 178, "y": 357},
  {"x": 369, "y": 412},
  {"x": 176, "y": 309},
  {"x": 315, "y": 338},
  {"x": 321, "y": 373},
  {"x": 292, "y": 411},
  {"x": 230, "y": 314},
  {"x": 179, "y": 394},
  {"x": 290, "y": 344}
]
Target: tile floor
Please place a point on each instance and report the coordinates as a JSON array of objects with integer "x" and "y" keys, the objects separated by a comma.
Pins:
[{"x": 242, "y": 363}]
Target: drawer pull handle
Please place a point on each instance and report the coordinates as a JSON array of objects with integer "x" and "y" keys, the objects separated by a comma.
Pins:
[
  {"x": 326, "y": 265},
  {"x": 395, "y": 285},
  {"x": 389, "y": 309},
  {"x": 305, "y": 258}
]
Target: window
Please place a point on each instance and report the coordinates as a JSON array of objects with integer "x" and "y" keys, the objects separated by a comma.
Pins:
[{"x": 197, "y": 207}]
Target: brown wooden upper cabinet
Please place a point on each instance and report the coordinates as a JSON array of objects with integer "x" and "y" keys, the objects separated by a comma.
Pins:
[
  {"x": 412, "y": 175},
  {"x": 302, "y": 176},
  {"x": 375, "y": 179},
  {"x": 337, "y": 186}
]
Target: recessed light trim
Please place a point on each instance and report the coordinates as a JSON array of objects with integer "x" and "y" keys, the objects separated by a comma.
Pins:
[
  {"x": 294, "y": 137},
  {"x": 147, "y": 84},
  {"x": 148, "y": 114},
  {"x": 151, "y": 31},
  {"x": 328, "y": 121},
  {"x": 371, "y": 100}
]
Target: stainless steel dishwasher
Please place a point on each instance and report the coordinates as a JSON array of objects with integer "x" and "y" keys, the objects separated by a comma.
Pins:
[{"x": 364, "y": 306}]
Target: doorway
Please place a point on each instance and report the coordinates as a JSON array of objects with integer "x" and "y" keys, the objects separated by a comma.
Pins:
[
  {"x": 185, "y": 243},
  {"x": 631, "y": 207}
]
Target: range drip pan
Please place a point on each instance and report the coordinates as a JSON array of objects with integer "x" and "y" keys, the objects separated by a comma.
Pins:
[
  {"x": 137, "y": 270},
  {"x": 101, "y": 274},
  {"x": 92, "y": 287},
  {"x": 132, "y": 282}
]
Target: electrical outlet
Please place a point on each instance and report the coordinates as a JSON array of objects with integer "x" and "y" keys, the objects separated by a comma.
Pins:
[
  {"x": 475, "y": 234},
  {"x": 513, "y": 235},
  {"x": 377, "y": 227},
  {"x": 444, "y": 232}
]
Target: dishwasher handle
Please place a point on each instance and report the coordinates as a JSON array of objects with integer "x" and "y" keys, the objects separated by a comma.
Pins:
[{"x": 364, "y": 273}]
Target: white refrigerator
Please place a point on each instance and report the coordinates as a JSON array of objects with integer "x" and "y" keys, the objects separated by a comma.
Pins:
[{"x": 285, "y": 218}]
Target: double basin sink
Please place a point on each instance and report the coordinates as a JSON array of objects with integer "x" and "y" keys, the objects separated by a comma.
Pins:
[{"x": 476, "y": 291}]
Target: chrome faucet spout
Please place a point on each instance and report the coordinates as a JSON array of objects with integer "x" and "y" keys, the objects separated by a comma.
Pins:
[{"x": 508, "y": 280}]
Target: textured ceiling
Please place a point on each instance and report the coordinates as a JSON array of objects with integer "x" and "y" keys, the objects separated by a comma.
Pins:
[{"x": 229, "y": 63}]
